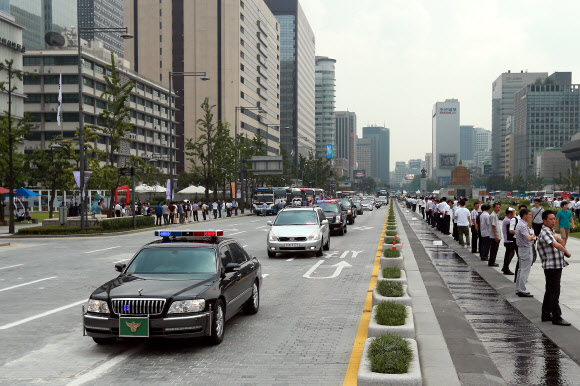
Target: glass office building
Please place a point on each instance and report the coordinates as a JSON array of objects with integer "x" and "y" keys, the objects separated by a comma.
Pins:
[
  {"x": 381, "y": 141},
  {"x": 297, "y": 67}
]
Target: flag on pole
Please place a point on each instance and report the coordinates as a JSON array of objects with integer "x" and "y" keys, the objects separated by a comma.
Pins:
[
  {"x": 59, "y": 99},
  {"x": 168, "y": 191}
]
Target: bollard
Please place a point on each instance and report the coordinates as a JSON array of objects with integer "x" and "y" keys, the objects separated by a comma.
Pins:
[{"x": 394, "y": 246}]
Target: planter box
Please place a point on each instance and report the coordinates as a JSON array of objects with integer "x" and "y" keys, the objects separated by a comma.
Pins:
[
  {"x": 405, "y": 299},
  {"x": 402, "y": 279},
  {"x": 392, "y": 261},
  {"x": 411, "y": 378},
  {"x": 407, "y": 330},
  {"x": 390, "y": 246}
]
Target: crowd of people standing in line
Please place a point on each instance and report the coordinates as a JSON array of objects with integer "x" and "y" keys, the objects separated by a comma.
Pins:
[
  {"x": 182, "y": 212},
  {"x": 526, "y": 233}
]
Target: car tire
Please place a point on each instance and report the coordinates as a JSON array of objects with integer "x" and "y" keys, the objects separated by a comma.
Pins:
[
  {"x": 319, "y": 253},
  {"x": 271, "y": 254},
  {"x": 345, "y": 228},
  {"x": 327, "y": 245},
  {"x": 253, "y": 304},
  {"x": 341, "y": 231},
  {"x": 104, "y": 340},
  {"x": 218, "y": 323}
]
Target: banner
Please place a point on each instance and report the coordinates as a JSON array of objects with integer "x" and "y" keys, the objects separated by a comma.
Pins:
[
  {"x": 168, "y": 191},
  {"x": 77, "y": 175}
]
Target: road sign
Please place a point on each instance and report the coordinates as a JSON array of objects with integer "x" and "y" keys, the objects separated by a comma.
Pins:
[{"x": 127, "y": 172}]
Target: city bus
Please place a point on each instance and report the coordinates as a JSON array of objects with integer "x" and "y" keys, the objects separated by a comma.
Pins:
[
  {"x": 269, "y": 195},
  {"x": 562, "y": 194},
  {"x": 318, "y": 194},
  {"x": 307, "y": 194}
]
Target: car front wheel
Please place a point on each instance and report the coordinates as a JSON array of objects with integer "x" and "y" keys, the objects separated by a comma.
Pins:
[
  {"x": 253, "y": 304},
  {"x": 319, "y": 252},
  {"x": 327, "y": 245},
  {"x": 218, "y": 323}
]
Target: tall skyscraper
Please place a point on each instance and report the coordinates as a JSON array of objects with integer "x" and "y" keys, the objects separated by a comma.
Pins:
[
  {"x": 41, "y": 16},
  {"x": 446, "y": 139},
  {"x": 325, "y": 94},
  {"x": 346, "y": 138},
  {"x": 471, "y": 140},
  {"x": 12, "y": 32},
  {"x": 503, "y": 92},
  {"x": 545, "y": 117},
  {"x": 103, "y": 14},
  {"x": 236, "y": 43},
  {"x": 364, "y": 156},
  {"x": 381, "y": 138},
  {"x": 297, "y": 66}
]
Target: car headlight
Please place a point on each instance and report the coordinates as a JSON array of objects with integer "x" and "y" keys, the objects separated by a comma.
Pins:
[
  {"x": 184, "y": 306},
  {"x": 338, "y": 218},
  {"x": 314, "y": 236},
  {"x": 99, "y": 306},
  {"x": 272, "y": 237},
  {"x": 350, "y": 212}
]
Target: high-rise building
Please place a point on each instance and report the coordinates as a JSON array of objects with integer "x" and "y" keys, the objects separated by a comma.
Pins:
[
  {"x": 41, "y": 16},
  {"x": 237, "y": 44},
  {"x": 12, "y": 33},
  {"x": 446, "y": 139},
  {"x": 471, "y": 140},
  {"x": 297, "y": 69},
  {"x": 429, "y": 164},
  {"x": 325, "y": 93},
  {"x": 509, "y": 156},
  {"x": 381, "y": 155},
  {"x": 401, "y": 170},
  {"x": 346, "y": 138},
  {"x": 150, "y": 137},
  {"x": 103, "y": 14},
  {"x": 364, "y": 155},
  {"x": 545, "y": 117},
  {"x": 503, "y": 92}
]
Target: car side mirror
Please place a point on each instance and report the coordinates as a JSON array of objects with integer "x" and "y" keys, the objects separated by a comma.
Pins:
[
  {"x": 269, "y": 223},
  {"x": 232, "y": 267},
  {"x": 119, "y": 267},
  {"x": 324, "y": 222}
]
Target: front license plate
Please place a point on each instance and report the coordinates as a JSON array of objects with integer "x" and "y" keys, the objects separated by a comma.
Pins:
[
  {"x": 133, "y": 327},
  {"x": 291, "y": 245}
]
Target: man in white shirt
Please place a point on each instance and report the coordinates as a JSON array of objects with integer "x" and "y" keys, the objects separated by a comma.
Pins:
[
  {"x": 118, "y": 210},
  {"x": 495, "y": 235},
  {"x": 455, "y": 230},
  {"x": 485, "y": 228},
  {"x": 462, "y": 218},
  {"x": 475, "y": 233},
  {"x": 557, "y": 203}
]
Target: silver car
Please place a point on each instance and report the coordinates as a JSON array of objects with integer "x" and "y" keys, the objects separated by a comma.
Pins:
[{"x": 299, "y": 230}]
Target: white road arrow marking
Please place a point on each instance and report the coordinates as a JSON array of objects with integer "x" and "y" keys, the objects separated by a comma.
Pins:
[
  {"x": 344, "y": 254},
  {"x": 339, "y": 267},
  {"x": 355, "y": 253}
]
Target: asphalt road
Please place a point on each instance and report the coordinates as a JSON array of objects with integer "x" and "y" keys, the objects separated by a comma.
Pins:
[{"x": 309, "y": 313}]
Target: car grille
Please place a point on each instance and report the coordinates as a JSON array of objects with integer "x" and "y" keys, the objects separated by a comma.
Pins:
[
  {"x": 138, "y": 306},
  {"x": 292, "y": 248},
  {"x": 292, "y": 238}
]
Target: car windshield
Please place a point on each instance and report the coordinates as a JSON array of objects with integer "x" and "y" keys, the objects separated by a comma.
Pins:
[
  {"x": 366, "y": 202},
  {"x": 173, "y": 261},
  {"x": 296, "y": 217},
  {"x": 327, "y": 207},
  {"x": 345, "y": 202},
  {"x": 261, "y": 198}
]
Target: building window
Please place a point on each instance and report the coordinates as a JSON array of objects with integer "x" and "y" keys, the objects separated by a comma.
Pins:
[
  {"x": 101, "y": 104},
  {"x": 70, "y": 117},
  {"x": 160, "y": 25},
  {"x": 99, "y": 69},
  {"x": 70, "y": 98},
  {"x": 88, "y": 64},
  {"x": 89, "y": 100},
  {"x": 31, "y": 79},
  {"x": 88, "y": 82},
  {"x": 60, "y": 61},
  {"x": 89, "y": 119},
  {"x": 32, "y": 60},
  {"x": 140, "y": 101},
  {"x": 160, "y": 64},
  {"x": 100, "y": 86},
  {"x": 33, "y": 98}
]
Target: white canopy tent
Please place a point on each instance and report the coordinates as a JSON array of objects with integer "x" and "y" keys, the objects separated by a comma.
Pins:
[
  {"x": 194, "y": 190},
  {"x": 150, "y": 189}
]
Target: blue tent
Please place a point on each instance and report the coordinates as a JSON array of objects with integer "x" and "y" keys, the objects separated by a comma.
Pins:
[{"x": 23, "y": 192}]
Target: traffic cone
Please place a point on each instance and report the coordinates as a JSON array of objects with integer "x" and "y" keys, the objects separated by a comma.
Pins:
[{"x": 394, "y": 245}]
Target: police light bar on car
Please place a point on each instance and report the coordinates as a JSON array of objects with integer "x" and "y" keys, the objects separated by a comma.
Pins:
[
  {"x": 202, "y": 233},
  {"x": 333, "y": 201}
]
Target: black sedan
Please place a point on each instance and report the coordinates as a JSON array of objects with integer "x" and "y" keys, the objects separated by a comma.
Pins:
[
  {"x": 351, "y": 211},
  {"x": 335, "y": 213},
  {"x": 185, "y": 285}
]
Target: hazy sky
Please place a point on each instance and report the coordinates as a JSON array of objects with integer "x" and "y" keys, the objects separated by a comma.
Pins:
[{"x": 396, "y": 58}]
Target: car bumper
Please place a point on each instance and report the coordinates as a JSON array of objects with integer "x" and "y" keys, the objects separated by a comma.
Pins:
[
  {"x": 335, "y": 226},
  {"x": 190, "y": 326},
  {"x": 299, "y": 246}
]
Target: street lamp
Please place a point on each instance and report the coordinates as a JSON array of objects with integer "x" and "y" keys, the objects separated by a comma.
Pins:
[
  {"x": 124, "y": 33},
  {"x": 242, "y": 108},
  {"x": 204, "y": 77}
]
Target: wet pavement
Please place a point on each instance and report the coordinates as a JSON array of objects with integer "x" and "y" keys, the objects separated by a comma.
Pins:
[{"x": 520, "y": 351}]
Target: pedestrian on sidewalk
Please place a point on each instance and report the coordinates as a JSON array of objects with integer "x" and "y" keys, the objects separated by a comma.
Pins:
[
  {"x": 158, "y": 214},
  {"x": 495, "y": 235},
  {"x": 552, "y": 254},
  {"x": 165, "y": 213},
  {"x": 475, "y": 233},
  {"x": 194, "y": 210},
  {"x": 485, "y": 228},
  {"x": 463, "y": 221},
  {"x": 215, "y": 208},
  {"x": 235, "y": 206},
  {"x": 576, "y": 207},
  {"x": 509, "y": 240},
  {"x": 455, "y": 230},
  {"x": 524, "y": 238},
  {"x": 537, "y": 211},
  {"x": 421, "y": 204},
  {"x": 447, "y": 217},
  {"x": 204, "y": 209},
  {"x": 564, "y": 219}
]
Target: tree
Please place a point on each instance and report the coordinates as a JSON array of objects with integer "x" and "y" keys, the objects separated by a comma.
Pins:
[
  {"x": 367, "y": 185},
  {"x": 52, "y": 169},
  {"x": 12, "y": 131},
  {"x": 116, "y": 121}
]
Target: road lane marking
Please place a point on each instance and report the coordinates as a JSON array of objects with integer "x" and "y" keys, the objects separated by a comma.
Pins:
[
  {"x": 244, "y": 246},
  {"x": 339, "y": 267},
  {"x": 105, "y": 249},
  {"x": 312, "y": 269},
  {"x": 23, "y": 284},
  {"x": 236, "y": 233},
  {"x": 120, "y": 261},
  {"x": 26, "y": 320},
  {"x": 11, "y": 266},
  {"x": 264, "y": 275},
  {"x": 291, "y": 259},
  {"x": 104, "y": 368}
]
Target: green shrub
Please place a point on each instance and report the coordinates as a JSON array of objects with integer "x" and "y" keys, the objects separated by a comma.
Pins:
[
  {"x": 391, "y": 253},
  {"x": 391, "y": 227},
  {"x": 390, "y": 289},
  {"x": 389, "y": 240},
  {"x": 390, "y": 354},
  {"x": 57, "y": 230},
  {"x": 127, "y": 222},
  {"x": 391, "y": 314},
  {"x": 392, "y": 273},
  {"x": 391, "y": 233}
]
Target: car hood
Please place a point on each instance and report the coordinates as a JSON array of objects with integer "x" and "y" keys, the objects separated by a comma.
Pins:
[
  {"x": 165, "y": 287},
  {"x": 294, "y": 230}
]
